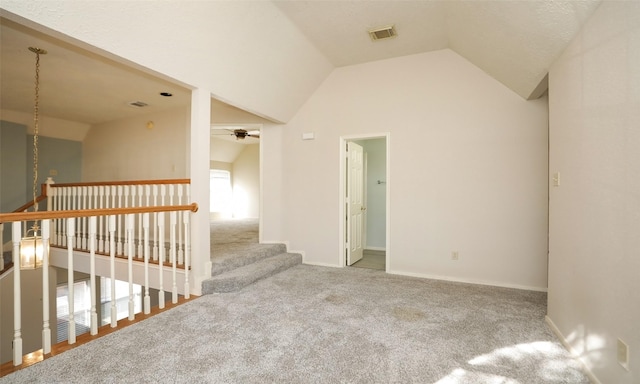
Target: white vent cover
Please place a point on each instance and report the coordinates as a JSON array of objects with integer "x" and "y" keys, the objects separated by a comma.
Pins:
[
  {"x": 383, "y": 33},
  {"x": 138, "y": 104}
]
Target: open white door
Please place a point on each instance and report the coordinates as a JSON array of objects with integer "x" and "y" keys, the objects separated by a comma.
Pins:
[{"x": 355, "y": 202}]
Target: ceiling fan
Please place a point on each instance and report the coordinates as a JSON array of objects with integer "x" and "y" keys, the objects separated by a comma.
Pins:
[{"x": 240, "y": 134}]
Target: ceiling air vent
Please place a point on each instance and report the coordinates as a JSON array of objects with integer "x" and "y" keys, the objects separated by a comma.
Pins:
[
  {"x": 138, "y": 104},
  {"x": 383, "y": 33}
]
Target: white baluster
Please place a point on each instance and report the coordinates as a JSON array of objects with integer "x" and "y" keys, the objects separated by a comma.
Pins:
[
  {"x": 130, "y": 192},
  {"x": 112, "y": 264},
  {"x": 74, "y": 206},
  {"x": 147, "y": 298},
  {"x": 140, "y": 247},
  {"x": 54, "y": 207},
  {"x": 100, "y": 205},
  {"x": 119, "y": 242},
  {"x": 17, "y": 300},
  {"x": 161, "y": 261},
  {"x": 63, "y": 222},
  {"x": 92, "y": 256},
  {"x": 85, "y": 205},
  {"x": 162, "y": 245},
  {"x": 2, "y": 237},
  {"x": 130, "y": 225},
  {"x": 155, "y": 224},
  {"x": 174, "y": 258},
  {"x": 187, "y": 253},
  {"x": 180, "y": 214},
  {"x": 70, "y": 281},
  {"x": 46, "y": 327},
  {"x": 107, "y": 243}
]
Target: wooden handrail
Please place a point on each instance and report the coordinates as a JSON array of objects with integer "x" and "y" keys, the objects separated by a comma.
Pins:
[
  {"x": 130, "y": 182},
  {"x": 42, "y": 215},
  {"x": 30, "y": 204},
  {"x": 43, "y": 195}
]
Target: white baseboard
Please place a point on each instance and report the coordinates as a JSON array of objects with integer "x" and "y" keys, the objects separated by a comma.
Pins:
[
  {"x": 305, "y": 262},
  {"x": 468, "y": 281},
  {"x": 572, "y": 351},
  {"x": 368, "y": 248}
]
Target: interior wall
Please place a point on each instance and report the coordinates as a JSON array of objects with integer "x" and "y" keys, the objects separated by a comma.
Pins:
[
  {"x": 13, "y": 172},
  {"x": 468, "y": 163},
  {"x": 59, "y": 159},
  {"x": 31, "y": 312},
  {"x": 128, "y": 150},
  {"x": 246, "y": 183},
  {"x": 594, "y": 289},
  {"x": 376, "y": 213}
]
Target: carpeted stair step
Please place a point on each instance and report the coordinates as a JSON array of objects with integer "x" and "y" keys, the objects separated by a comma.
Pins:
[
  {"x": 239, "y": 278},
  {"x": 231, "y": 256}
]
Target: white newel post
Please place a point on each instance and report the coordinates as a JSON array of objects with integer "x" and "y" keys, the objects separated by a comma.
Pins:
[
  {"x": 161, "y": 261},
  {"x": 92, "y": 256},
  {"x": 46, "y": 327},
  {"x": 17, "y": 326},
  {"x": 72, "y": 323},
  {"x": 112, "y": 265},
  {"x": 147, "y": 298}
]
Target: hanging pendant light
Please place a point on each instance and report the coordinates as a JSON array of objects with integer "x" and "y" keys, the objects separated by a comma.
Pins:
[{"x": 32, "y": 247}]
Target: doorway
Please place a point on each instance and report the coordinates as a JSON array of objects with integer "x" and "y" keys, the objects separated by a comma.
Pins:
[{"x": 364, "y": 213}]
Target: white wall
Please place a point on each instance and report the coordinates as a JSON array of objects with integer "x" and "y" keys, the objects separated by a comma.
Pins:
[
  {"x": 224, "y": 150},
  {"x": 246, "y": 183},
  {"x": 468, "y": 162},
  {"x": 594, "y": 265},
  {"x": 128, "y": 150}
]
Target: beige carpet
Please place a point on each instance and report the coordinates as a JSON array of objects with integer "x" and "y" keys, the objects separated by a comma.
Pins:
[{"x": 326, "y": 325}]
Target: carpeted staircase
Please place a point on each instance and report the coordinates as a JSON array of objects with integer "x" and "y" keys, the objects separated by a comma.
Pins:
[{"x": 238, "y": 260}]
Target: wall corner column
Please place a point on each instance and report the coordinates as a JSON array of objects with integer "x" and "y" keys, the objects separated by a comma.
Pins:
[{"x": 199, "y": 173}]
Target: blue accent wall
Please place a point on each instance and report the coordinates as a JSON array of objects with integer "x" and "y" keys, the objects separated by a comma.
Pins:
[{"x": 16, "y": 165}]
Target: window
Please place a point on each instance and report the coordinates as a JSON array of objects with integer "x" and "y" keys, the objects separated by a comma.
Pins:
[
  {"x": 81, "y": 309},
  {"x": 221, "y": 196},
  {"x": 122, "y": 299}
]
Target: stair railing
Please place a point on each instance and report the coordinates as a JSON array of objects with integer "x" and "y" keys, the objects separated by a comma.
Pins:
[
  {"x": 106, "y": 219},
  {"x": 91, "y": 217}
]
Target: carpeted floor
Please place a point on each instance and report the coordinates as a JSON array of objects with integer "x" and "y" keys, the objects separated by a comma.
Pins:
[{"x": 325, "y": 325}]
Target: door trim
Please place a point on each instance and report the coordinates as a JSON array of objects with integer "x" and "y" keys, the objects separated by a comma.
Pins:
[{"x": 342, "y": 194}]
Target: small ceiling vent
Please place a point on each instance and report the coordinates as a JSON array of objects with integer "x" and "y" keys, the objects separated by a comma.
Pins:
[
  {"x": 383, "y": 33},
  {"x": 138, "y": 104}
]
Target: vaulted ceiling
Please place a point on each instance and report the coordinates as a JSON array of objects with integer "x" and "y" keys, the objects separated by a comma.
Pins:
[{"x": 515, "y": 42}]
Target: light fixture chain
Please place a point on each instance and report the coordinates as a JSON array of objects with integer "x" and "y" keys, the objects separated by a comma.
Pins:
[{"x": 36, "y": 117}]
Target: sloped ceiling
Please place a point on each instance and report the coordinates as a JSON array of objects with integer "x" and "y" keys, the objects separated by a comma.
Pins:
[{"x": 513, "y": 41}]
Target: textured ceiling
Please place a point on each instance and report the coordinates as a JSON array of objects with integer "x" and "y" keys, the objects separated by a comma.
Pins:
[{"x": 513, "y": 41}]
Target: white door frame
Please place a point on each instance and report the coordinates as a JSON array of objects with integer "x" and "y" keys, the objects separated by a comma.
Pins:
[{"x": 343, "y": 188}]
